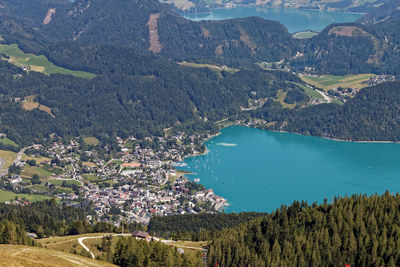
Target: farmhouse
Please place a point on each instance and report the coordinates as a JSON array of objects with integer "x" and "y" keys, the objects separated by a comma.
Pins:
[{"x": 141, "y": 235}]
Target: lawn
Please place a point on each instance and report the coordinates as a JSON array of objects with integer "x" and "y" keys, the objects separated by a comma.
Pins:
[
  {"x": 91, "y": 141},
  {"x": 38, "y": 63},
  {"x": 329, "y": 82},
  {"x": 8, "y": 142},
  {"x": 304, "y": 35},
  {"x": 28, "y": 171},
  {"x": 89, "y": 164},
  {"x": 8, "y": 157},
  {"x": 60, "y": 182},
  {"x": 8, "y": 195},
  {"x": 310, "y": 92},
  {"x": 91, "y": 178},
  {"x": 37, "y": 159}
]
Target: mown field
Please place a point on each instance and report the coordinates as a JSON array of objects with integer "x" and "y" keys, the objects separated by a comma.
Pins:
[
  {"x": 310, "y": 92},
  {"x": 91, "y": 141},
  {"x": 37, "y": 63},
  {"x": 12, "y": 255},
  {"x": 304, "y": 35},
  {"x": 8, "y": 195},
  {"x": 8, "y": 157},
  {"x": 329, "y": 81}
]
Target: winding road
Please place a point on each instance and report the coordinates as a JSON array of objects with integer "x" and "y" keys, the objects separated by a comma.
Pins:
[
  {"x": 167, "y": 242},
  {"x": 20, "y": 153},
  {"x": 81, "y": 239}
]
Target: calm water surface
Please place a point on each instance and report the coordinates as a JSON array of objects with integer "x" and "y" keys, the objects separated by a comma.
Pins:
[
  {"x": 258, "y": 170},
  {"x": 294, "y": 20}
]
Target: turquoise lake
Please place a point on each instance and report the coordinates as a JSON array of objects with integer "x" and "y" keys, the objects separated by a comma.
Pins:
[
  {"x": 295, "y": 20},
  {"x": 258, "y": 170}
]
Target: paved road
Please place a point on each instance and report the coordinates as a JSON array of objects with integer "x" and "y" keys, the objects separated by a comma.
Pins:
[
  {"x": 2, "y": 163},
  {"x": 324, "y": 96},
  {"x": 20, "y": 153},
  {"x": 2, "y": 171}
]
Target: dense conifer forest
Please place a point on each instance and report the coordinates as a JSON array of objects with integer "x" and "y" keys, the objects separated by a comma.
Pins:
[
  {"x": 355, "y": 231},
  {"x": 370, "y": 116}
]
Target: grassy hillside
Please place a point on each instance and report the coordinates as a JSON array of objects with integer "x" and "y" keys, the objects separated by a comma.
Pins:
[
  {"x": 16, "y": 56},
  {"x": 12, "y": 255}
]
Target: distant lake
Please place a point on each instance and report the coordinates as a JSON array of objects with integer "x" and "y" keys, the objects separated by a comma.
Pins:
[
  {"x": 258, "y": 170},
  {"x": 295, "y": 20}
]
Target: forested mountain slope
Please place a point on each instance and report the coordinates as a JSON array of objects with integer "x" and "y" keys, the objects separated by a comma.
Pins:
[
  {"x": 389, "y": 11},
  {"x": 346, "y": 48},
  {"x": 33, "y": 12},
  {"x": 158, "y": 29},
  {"x": 354, "y": 231},
  {"x": 132, "y": 95},
  {"x": 373, "y": 115}
]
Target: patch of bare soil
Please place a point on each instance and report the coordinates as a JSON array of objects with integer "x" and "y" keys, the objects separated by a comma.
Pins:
[
  {"x": 155, "y": 45},
  {"x": 49, "y": 15}
]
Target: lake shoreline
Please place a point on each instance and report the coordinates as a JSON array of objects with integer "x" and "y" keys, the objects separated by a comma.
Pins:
[
  {"x": 186, "y": 13},
  {"x": 224, "y": 179}
]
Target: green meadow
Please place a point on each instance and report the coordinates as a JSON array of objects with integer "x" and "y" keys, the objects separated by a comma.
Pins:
[{"x": 37, "y": 63}]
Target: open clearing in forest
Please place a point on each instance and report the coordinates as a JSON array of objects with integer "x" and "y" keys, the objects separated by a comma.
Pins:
[
  {"x": 29, "y": 104},
  {"x": 330, "y": 81},
  {"x": 16, "y": 56}
]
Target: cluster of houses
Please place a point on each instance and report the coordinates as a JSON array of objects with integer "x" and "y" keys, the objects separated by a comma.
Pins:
[
  {"x": 377, "y": 79},
  {"x": 138, "y": 182}
]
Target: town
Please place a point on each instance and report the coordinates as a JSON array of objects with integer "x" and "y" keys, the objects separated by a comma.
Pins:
[{"x": 139, "y": 180}]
